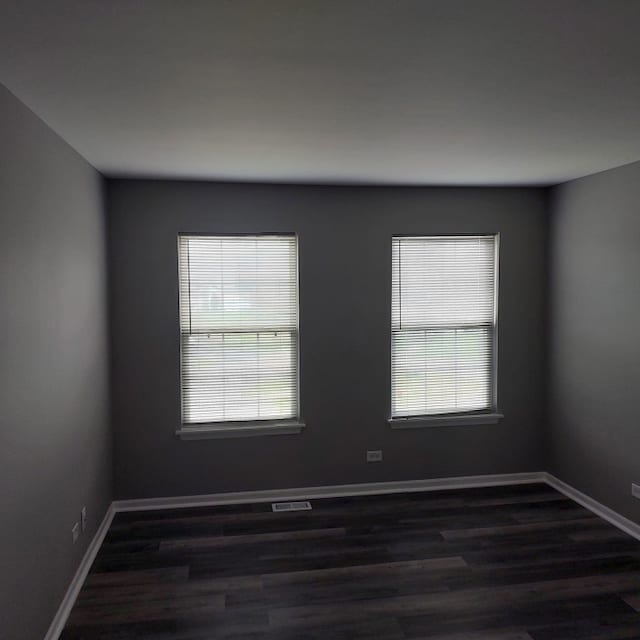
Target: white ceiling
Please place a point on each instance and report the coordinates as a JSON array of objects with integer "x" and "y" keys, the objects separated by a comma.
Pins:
[{"x": 383, "y": 91}]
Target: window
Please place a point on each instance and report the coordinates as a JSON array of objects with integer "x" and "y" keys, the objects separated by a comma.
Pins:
[
  {"x": 238, "y": 328},
  {"x": 443, "y": 325}
]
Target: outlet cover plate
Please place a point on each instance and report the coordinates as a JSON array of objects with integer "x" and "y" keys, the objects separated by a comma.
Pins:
[{"x": 374, "y": 456}]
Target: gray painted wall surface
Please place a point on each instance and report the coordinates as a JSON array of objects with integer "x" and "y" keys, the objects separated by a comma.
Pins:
[
  {"x": 345, "y": 279},
  {"x": 55, "y": 446},
  {"x": 593, "y": 439}
]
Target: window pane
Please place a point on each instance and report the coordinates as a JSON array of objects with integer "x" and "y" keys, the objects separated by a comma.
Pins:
[
  {"x": 443, "y": 324},
  {"x": 232, "y": 283},
  {"x": 239, "y": 376},
  {"x": 441, "y": 370},
  {"x": 443, "y": 281},
  {"x": 238, "y": 319}
]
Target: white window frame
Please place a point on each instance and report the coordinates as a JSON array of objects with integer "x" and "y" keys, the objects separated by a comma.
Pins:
[
  {"x": 489, "y": 415},
  {"x": 241, "y": 428}
]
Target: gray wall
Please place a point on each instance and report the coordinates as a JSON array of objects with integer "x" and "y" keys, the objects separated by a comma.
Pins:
[
  {"x": 345, "y": 279},
  {"x": 55, "y": 446},
  {"x": 593, "y": 439}
]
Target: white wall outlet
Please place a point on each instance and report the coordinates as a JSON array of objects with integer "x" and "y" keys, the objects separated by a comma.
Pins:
[
  {"x": 635, "y": 490},
  {"x": 75, "y": 532},
  {"x": 374, "y": 456},
  {"x": 83, "y": 518}
]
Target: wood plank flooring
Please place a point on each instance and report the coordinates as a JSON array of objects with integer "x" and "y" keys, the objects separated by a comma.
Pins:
[{"x": 502, "y": 563}]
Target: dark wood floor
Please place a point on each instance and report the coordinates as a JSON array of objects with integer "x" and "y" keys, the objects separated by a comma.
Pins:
[{"x": 505, "y": 563}]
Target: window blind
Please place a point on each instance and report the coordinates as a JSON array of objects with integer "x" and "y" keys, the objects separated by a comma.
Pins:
[
  {"x": 238, "y": 327},
  {"x": 443, "y": 324}
]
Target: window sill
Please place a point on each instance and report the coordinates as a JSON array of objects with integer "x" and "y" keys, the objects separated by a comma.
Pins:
[
  {"x": 420, "y": 422},
  {"x": 240, "y": 430}
]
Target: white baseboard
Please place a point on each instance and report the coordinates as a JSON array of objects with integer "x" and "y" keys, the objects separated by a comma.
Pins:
[
  {"x": 60, "y": 619},
  {"x": 616, "y": 519},
  {"x": 332, "y": 491}
]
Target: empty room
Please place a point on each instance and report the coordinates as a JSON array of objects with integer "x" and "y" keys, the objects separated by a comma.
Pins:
[{"x": 320, "y": 319}]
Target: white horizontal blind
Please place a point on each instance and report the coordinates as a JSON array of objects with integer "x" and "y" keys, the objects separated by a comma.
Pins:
[
  {"x": 443, "y": 324},
  {"x": 239, "y": 327}
]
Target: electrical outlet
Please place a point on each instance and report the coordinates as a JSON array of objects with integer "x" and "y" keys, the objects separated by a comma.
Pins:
[
  {"x": 635, "y": 490},
  {"x": 374, "y": 456},
  {"x": 75, "y": 532},
  {"x": 83, "y": 518}
]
